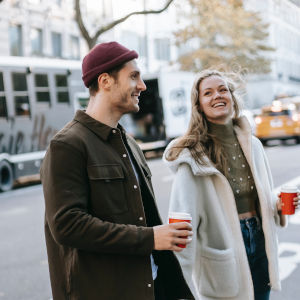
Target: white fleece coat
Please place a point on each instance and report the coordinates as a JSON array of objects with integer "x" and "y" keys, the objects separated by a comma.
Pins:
[{"x": 215, "y": 263}]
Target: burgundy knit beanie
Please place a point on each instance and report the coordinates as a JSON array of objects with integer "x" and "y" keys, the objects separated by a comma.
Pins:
[{"x": 102, "y": 58}]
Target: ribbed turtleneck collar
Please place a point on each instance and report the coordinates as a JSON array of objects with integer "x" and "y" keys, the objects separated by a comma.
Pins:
[{"x": 224, "y": 132}]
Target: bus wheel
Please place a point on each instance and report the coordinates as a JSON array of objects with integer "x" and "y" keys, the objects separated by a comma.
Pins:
[{"x": 6, "y": 176}]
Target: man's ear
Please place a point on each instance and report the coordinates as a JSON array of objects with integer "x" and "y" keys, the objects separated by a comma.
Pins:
[{"x": 105, "y": 81}]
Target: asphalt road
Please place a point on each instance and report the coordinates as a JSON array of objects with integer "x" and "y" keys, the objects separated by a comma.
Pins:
[{"x": 23, "y": 258}]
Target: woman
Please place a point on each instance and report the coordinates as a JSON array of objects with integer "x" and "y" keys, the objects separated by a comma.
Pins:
[{"x": 223, "y": 180}]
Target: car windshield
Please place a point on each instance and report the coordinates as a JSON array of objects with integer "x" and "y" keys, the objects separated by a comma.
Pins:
[{"x": 284, "y": 112}]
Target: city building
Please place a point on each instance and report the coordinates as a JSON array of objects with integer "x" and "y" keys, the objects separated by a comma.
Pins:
[
  {"x": 39, "y": 28},
  {"x": 48, "y": 29},
  {"x": 152, "y": 37},
  {"x": 283, "y": 17}
]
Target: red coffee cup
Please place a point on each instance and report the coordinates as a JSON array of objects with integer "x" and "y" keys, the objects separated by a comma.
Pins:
[
  {"x": 287, "y": 194},
  {"x": 175, "y": 217}
]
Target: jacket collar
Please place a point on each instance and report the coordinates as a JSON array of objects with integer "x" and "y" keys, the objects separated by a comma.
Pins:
[{"x": 100, "y": 129}]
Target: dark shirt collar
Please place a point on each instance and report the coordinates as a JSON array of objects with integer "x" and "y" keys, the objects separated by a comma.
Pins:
[{"x": 100, "y": 129}]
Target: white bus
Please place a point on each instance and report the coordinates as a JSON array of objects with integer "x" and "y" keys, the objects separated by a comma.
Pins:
[{"x": 36, "y": 100}]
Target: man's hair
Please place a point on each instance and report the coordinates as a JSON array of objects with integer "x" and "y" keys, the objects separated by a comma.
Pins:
[{"x": 114, "y": 72}]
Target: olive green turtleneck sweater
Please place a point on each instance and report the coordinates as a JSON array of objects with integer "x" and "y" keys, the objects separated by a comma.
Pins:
[{"x": 239, "y": 174}]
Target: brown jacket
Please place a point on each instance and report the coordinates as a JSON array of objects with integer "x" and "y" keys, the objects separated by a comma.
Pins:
[{"x": 97, "y": 238}]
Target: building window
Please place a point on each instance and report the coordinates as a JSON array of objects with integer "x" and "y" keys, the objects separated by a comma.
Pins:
[
  {"x": 62, "y": 90},
  {"x": 20, "y": 92},
  {"x": 74, "y": 47},
  {"x": 15, "y": 36},
  {"x": 3, "y": 108},
  {"x": 36, "y": 37},
  {"x": 142, "y": 46},
  {"x": 42, "y": 88},
  {"x": 130, "y": 40},
  {"x": 56, "y": 44},
  {"x": 162, "y": 49}
]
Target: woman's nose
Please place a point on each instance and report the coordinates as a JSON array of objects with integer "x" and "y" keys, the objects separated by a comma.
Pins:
[{"x": 216, "y": 94}]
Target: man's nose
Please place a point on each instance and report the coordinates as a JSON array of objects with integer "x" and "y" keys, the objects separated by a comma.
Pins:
[{"x": 141, "y": 85}]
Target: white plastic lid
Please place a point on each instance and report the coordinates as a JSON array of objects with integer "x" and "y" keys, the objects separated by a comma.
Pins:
[
  {"x": 289, "y": 189},
  {"x": 180, "y": 216}
]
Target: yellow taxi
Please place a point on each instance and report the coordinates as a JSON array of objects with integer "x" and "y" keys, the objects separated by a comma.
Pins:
[{"x": 278, "y": 121}]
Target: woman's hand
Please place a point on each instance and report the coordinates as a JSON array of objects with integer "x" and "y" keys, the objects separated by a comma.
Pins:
[
  {"x": 280, "y": 204},
  {"x": 297, "y": 201}
]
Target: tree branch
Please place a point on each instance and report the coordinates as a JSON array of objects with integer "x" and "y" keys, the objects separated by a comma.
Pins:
[
  {"x": 143, "y": 12},
  {"x": 92, "y": 40},
  {"x": 82, "y": 28}
]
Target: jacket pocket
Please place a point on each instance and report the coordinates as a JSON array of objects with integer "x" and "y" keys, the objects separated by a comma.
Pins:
[
  {"x": 107, "y": 189},
  {"x": 218, "y": 273}
]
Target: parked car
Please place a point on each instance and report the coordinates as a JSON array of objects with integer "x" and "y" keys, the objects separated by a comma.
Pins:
[{"x": 278, "y": 121}]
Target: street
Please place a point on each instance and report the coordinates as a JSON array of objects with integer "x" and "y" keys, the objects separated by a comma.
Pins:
[{"x": 23, "y": 259}]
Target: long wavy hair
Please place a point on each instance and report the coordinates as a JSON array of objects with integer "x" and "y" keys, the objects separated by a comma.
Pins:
[{"x": 197, "y": 139}]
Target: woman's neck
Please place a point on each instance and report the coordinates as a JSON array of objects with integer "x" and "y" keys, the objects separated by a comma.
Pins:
[{"x": 223, "y": 132}]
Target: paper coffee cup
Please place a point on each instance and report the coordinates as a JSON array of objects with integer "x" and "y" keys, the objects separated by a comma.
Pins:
[
  {"x": 175, "y": 217},
  {"x": 287, "y": 194}
]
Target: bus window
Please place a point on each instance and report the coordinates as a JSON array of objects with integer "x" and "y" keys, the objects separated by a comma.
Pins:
[
  {"x": 42, "y": 88},
  {"x": 62, "y": 88},
  {"x": 3, "y": 109},
  {"x": 20, "y": 92}
]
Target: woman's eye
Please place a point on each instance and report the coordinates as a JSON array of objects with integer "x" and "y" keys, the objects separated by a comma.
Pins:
[{"x": 207, "y": 93}]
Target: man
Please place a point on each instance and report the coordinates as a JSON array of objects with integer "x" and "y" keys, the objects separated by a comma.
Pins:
[{"x": 103, "y": 231}]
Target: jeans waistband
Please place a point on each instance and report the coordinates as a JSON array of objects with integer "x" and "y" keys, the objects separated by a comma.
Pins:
[{"x": 252, "y": 220}]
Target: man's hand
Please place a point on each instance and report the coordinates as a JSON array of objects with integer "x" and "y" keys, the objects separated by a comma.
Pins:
[{"x": 167, "y": 237}]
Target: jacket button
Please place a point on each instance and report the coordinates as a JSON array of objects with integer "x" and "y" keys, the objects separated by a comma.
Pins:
[
  {"x": 124, "y": 155},
  {"x": 114, "y": 131},
  {"x": 141, "y": 218},
  {"x": 149, "y": 284},
  {"x": 135, "y": 187}
]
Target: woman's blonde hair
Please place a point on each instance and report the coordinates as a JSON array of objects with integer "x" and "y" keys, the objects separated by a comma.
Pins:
[{"x": 197, "y": 139}]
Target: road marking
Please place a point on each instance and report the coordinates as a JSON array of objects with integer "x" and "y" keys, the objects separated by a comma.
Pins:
[{"x": 288, "y": 264}]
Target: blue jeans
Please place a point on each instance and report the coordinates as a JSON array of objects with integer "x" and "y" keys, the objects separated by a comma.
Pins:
[{"x": 254, "y": 241}]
